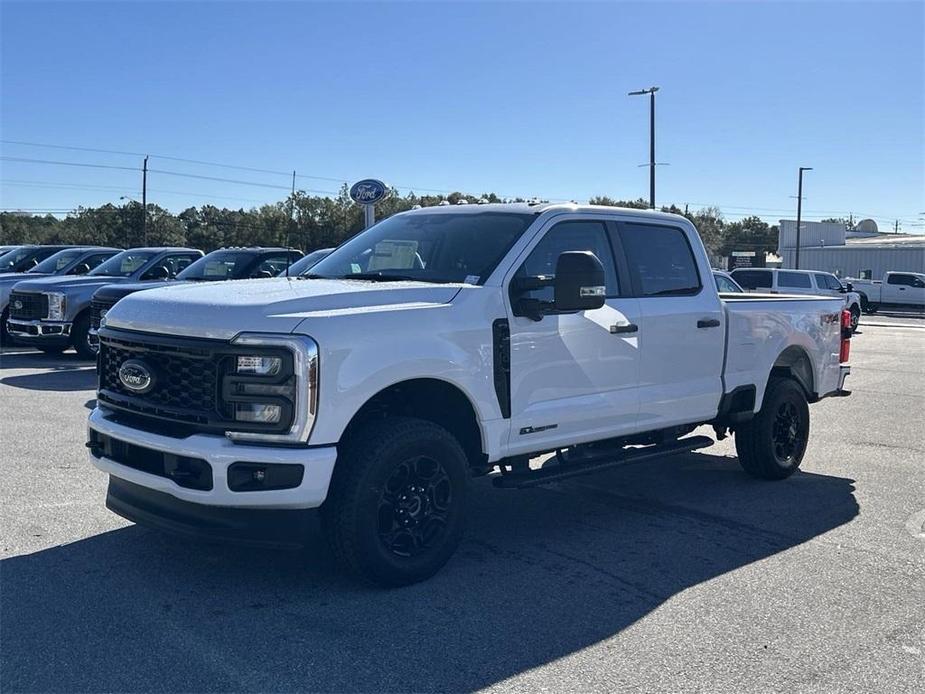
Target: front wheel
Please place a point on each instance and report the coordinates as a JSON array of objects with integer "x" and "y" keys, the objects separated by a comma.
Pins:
[
  {"x": 395, "y": 510},
  {"x": 81, "y": 338},
  {"x": 772, "y": 444}
]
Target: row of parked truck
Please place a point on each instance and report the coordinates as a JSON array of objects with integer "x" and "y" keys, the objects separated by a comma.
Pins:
[{"x": 53, "y": 297}]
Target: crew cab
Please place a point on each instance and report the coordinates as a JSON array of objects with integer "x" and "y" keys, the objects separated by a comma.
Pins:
[
  {"x": 71, "y": 261},
  {"x": 52, "y": 314},
  {"x": 815, "y": 282},
  {"x": 896, "y": 290},
  {"x": 217, "y": 266},
  {"x": 441, "y": 344}
]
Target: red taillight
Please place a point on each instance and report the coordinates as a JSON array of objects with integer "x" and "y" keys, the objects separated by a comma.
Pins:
[{"x": 845, "y": 337}]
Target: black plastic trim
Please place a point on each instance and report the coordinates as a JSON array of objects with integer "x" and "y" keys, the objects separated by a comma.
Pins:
[{"x": 501, "y": 350}]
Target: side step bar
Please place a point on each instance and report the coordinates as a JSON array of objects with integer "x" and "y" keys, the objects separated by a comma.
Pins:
[{"x": 554, "y": 473}]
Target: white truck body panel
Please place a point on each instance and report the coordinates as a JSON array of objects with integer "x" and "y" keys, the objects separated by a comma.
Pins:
[
  {"x": 896, "y": 288},
  {"x": 572, "y": 380}
]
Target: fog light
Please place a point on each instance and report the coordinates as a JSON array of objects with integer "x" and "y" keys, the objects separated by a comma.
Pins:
[
  {"x": 257, "y": 412},
  {"x": 259, "y": 366}
]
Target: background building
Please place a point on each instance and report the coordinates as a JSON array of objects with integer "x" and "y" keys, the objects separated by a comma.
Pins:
[{"x": 860, "y": 252}]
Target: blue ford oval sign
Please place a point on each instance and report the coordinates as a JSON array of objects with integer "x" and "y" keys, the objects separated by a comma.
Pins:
[{"x": 369, "y": 191}]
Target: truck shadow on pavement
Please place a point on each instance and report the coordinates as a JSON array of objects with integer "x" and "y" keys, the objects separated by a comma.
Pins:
[
  {"x": 66, "y": 372},
  {"x": 542, "y": 574}
]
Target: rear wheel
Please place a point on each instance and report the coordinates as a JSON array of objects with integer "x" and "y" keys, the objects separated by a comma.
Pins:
[
  {"x": 80, "y": 336},
  {"x": 395, "y": 510},
  {"x": 772, "y": 444},
  {"x": 855, "y": 318}
]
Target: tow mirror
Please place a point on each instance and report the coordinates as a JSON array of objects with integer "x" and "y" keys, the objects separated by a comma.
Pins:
[
  {"x": 849, "y": 287},
  {"x": 579, "y": 283}
]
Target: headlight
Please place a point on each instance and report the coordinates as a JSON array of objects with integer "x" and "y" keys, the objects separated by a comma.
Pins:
[
  {"x": 259, "y": 366},
  {"x": 57, "y": 305},
  {"x": 272, "y": 388}
]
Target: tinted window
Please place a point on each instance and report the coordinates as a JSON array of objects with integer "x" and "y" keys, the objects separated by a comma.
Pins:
[
  {"x": 824, "y": 281},
  {"x": 905, "y": 280},
  {"x": 57, "y": 262},
  {"x": 753, "y": 279},
  {"x": 660, "y": 259},
  {"x": 219, "y": 265},
  {"x": 26, "y": 258},
  {"x": 724, "y": 284},
  {"x": 793, "y": 279},
  {"x": 173, "y": 263},
  {"x": 94, "y": 260},
  {"x": 432, "y": 247},
  {"x": 273, "y": 265},
  {"x": 569, "y": 236},
  {"x": 124, "y": 264}
]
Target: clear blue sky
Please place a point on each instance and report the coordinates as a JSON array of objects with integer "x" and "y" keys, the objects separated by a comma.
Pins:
[{"x": 520, "y": 99}]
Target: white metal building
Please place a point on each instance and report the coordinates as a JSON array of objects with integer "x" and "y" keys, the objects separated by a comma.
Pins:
[{"x": 868, "y": 253}]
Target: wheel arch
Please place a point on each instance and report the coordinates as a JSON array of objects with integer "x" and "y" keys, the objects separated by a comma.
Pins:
[
  {"x": 432, "y": 399},
  {"x": 795, "y": 363}
]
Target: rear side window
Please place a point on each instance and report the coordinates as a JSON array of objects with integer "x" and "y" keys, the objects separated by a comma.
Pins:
[
  {"x": 904, "y": 280},
  {"x": 660, "y": 259},
  {"x": 793, "y": 279},
  {"x": 753, "y": 279},
  {"x": 825, "y": 281}
]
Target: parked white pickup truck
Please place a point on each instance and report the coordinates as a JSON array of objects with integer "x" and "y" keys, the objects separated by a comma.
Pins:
[
  {"x": 444, "y": 343},
  {"x": 898, "y": 289}
]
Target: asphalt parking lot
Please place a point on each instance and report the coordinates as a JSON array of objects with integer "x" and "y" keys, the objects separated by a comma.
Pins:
[{"x": 682, "y": 574}]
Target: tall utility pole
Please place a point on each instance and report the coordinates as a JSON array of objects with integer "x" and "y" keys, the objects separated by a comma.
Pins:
[
  {"x": 796, "y": 264},
  {"x": 651, "y": 92},
  {"x": 144, "y": 201}
]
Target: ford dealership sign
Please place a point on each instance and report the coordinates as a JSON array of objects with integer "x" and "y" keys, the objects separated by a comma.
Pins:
[{"x": 369, "y": 191}]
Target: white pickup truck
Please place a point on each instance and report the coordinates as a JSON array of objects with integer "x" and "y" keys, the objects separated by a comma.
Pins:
[
  {"x": 440, "y": 344},
  {"x": 898, "y": 289}
]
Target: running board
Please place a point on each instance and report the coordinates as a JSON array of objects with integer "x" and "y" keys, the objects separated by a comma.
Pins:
[{"x": 554, "y": 473}]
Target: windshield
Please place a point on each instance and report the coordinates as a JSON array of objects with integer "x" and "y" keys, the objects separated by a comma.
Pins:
[
  {"x": 462, "y": 247},
  {"x": 57, "y": 262},
  {"x": 306, "y": 263},
  {"x": 219, "y": 265},
  {"x": 22, "y": 259},
  {"x": 125, "y": 264}
]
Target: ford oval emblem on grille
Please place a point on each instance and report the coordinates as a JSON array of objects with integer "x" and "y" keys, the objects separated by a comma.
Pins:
[
  {"x": 136, "y": 376},
  {"x": 17, "y": 304}
]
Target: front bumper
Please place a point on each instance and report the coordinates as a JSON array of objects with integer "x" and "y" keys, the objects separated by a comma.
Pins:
[
  {"x": 220, "y": 453},
  {"x": 45, "y": 331}
]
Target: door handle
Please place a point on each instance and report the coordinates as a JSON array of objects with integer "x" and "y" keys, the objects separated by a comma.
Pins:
[
  {"x": 902, "y": 289},
  {"x": 708, "y": 323},
  {"x": 623, "y": 329}
]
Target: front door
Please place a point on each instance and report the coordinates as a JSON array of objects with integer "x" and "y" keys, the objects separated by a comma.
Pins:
[
  {"x": 901, "y": 288},
  {"x": 574, "y": 375}
]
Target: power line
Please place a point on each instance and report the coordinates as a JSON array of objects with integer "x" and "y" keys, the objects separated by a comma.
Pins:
[{"x": 69, "y": 163}]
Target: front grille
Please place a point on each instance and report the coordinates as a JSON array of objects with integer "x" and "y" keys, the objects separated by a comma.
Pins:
[
  {"x": 97, "y": 310},
  {"x": 28, "y": 306},
  {"x": 192, "y": 382}
]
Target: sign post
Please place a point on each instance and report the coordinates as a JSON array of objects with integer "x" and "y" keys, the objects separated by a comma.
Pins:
[{"x": 367, "y": 193}]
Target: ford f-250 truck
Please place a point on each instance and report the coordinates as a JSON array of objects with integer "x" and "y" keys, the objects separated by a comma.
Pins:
[
  {"x": 70, "y": 261},
  {"x": 53, "y": 313},
  {"x": 439, "y": 344},
  {"x": 897, "y": 290}
]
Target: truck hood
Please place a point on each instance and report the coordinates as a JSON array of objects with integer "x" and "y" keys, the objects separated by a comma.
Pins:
[
  {"x": 113, "y": 292},
  {"x": 63, "y": 284},
  {"x": 221, "y": 310}
]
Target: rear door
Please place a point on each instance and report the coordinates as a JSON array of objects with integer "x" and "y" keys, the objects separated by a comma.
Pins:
[
  {"x": 573, "y": 375},
  {"x": 681, "y": 331}
]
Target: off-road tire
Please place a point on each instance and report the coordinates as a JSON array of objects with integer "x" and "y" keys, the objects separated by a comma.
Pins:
[
  {"x": 760, "y": 450},
  {"x": 79, "y": 337},
  {"x": 355, "y": 514}
]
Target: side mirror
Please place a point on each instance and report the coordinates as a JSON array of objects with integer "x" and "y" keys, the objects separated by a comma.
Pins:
[
  {"x": 579, "y": 282},
  {"x": 849, "y": 287},
  {"x": 158, "y": 273},
  {"x": 81, "y": 269}
]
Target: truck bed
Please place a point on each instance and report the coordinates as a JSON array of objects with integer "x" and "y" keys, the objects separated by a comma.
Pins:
[{"x": 759, "y": 328}]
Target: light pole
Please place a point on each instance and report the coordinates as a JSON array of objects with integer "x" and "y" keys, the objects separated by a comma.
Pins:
[
  {"x": 796, "y": 264},
  {"x": 651, "y": 92}
]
